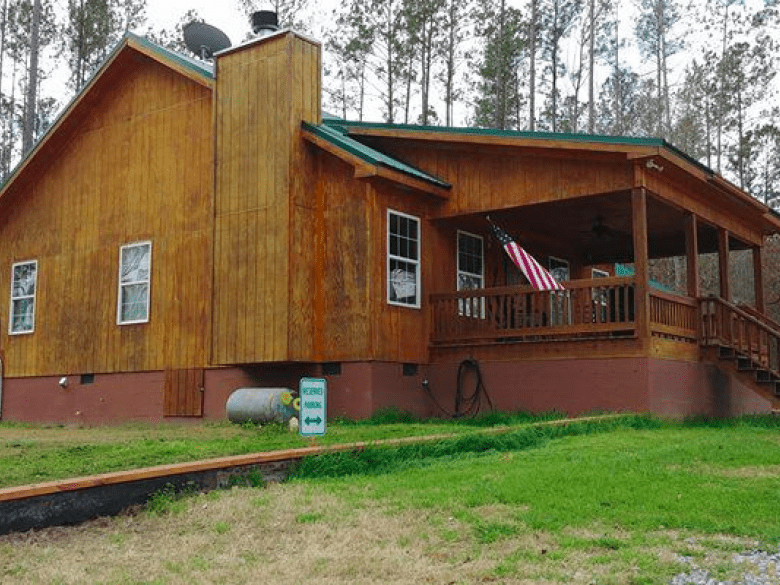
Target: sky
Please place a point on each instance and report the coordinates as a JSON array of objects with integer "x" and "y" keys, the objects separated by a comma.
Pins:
[{"x": 223, "y": 14}]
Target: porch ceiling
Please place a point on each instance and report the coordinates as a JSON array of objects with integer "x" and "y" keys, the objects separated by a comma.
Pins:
[{"x": 596, "y": 229}]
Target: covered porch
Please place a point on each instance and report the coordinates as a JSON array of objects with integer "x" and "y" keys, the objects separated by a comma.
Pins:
[{"x": 604, "y": 313}]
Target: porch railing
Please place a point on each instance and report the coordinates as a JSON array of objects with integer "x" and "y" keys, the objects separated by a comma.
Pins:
[
  {"x": 674, "y": 316},
  {"x": 587, "y": 308},
  {"x": 725, "y": 324}
]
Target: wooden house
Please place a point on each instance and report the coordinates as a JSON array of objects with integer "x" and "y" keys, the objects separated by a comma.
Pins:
[{"x": 185, "y": 229}]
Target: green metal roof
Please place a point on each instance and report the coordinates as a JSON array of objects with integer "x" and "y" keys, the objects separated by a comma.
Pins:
[
  {"x": 204, "y": 69},
  {"x": 338, "y": 137},
  {"x": 346, "y": 125}
]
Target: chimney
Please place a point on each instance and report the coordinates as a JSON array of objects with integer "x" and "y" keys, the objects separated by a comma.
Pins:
[{"x": 264, "y": 22}]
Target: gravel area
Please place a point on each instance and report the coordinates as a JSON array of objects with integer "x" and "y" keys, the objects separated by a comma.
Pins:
[{"x": 761, "y": 568}]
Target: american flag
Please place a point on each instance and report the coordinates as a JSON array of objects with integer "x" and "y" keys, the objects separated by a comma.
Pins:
[{"x": 539, "y": 278}]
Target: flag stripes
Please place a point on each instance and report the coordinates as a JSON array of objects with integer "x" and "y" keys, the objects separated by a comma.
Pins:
[{"x": 539, "y": 278}]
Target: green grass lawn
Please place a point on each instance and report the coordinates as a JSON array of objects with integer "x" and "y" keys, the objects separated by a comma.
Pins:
[
  {"x": 37, "y": 453},
  {"x": 636, "y": 501}
]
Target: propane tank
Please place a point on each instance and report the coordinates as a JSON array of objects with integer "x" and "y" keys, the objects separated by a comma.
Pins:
[{"x": 260, "y": 405}]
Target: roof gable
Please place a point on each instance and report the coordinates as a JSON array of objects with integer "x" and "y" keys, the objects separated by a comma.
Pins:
[{"x": 111, "y": 69}]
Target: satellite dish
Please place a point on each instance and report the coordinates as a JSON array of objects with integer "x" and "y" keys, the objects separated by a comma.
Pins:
[{"x": 204, "y": 40}]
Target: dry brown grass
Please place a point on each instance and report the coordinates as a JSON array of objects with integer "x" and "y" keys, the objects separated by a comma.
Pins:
[
  {"x": 291, "y": 534},
  {"x": 276, "y": 535}
]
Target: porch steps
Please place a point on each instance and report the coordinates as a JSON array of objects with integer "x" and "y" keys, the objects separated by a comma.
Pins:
[{"x": 749, "y": 370}]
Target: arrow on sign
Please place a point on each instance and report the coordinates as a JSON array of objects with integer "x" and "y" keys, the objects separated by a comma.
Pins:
[{"x": 309, "y": 421}]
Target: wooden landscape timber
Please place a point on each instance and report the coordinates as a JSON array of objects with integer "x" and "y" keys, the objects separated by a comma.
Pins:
[{"x": 273, "y": 254}]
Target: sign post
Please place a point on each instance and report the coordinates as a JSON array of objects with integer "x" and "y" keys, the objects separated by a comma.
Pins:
[{"x": 313, "y": 394}]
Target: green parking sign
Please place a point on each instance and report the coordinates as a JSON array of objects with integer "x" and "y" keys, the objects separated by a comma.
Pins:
[{"x": 313, "y": 394}]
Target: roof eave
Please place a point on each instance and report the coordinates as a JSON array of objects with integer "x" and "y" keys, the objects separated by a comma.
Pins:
[{"x": 367, "y": 167}]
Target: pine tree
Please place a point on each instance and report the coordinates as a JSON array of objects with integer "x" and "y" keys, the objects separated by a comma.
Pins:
[
  {"x": 349, "y": 45},
  {"x": 425, "y": 32},
  {"x": 31, "y": 98},
  {"x": 456, "y": 21},
  {"x": 558, "y": 19},
  {"x": 497, "y": 100},
  {"x": 655, "y": 35}
]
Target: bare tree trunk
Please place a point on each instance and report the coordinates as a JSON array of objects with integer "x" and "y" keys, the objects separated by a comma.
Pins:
[
  {"x": 28, "y": 131},
  {"x": 618, "y": 83},
  {"x": 532, "y": 72},
  {"x": 591, "y": 72},
  {"x": 448, "y": 91},
  {"x": 554, "y": 95},
  {"x": 740, "y": 141},
  {"x": 4, "y": 146},
  {"x": 3, "y": 27},
  {"x": 408, "y": 86},
  {"x": 721, "y": 93}
]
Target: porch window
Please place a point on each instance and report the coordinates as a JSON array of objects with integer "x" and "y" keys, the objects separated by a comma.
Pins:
[
  {"x": 403, "y": 259},
  {"x": 470, "y": 271},
  {"x": 24, "y": 277},
  {"x": 599, "y": 297},
  {"x": 560, "y": 305},
  {"x": 135, "y": 263}
]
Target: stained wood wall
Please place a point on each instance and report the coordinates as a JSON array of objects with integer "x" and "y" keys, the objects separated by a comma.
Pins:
[
  {"x": 352, "y": 318},
  {"x": 136, "y": 166},
  {"x": 491, "y": 177},
  {"x": 263, "y": 206}
]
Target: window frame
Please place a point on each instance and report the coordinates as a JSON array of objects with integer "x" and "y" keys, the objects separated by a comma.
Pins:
[
  {"x": 121, "y": 285},
  {"x": 13, "y": 299},
  {"x": 560, "y": 300},
  {"x": 465, "y": 305},
  {"x": 406, "y": 260}
]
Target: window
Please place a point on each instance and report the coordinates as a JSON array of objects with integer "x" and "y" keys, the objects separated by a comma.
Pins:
[
  {"x": 403, "y": 259},
  {"x": 560, "y": 307},
  {"x": 599, "y": 297},
  {"x": 470, "y": 272},
  {"x": 23, "y": 283},
  {"x": 135, "y": 263}
]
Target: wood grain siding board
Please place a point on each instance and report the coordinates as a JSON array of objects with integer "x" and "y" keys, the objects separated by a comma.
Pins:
[
  {"x": 125, "y": 176},
  {"x": 258, "y": 190}
]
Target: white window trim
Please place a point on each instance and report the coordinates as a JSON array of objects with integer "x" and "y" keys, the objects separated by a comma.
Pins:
[
  {"x": 121, "y": 284},
  {"x": 464, "y": 307},
  {"x": 598, "y": 273},
  {"x": 416, "y": 263},
  {"x": 33, "y": 296}
]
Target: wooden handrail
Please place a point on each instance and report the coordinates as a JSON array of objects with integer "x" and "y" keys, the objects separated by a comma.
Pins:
[
  {"x": 674, "y": 316},
  {"x": 760, "y": 316},
  {"x": 679, "y": 299},
  {"x": 725, "y": 324},
  {"x": 744, "y": 314},
  {"x": 525, "y": 288},
  {"x": 586, "y": 308}
]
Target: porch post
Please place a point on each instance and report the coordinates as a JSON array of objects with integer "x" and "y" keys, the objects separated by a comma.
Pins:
[
  {"x": 641, "y": 297},
  {"x": 723, "y": 264},
  {"x": 692, "y": 253},
  {"x": 758, "y": 279}
]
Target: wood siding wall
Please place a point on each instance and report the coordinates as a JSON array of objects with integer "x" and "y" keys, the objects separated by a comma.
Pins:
[
  {"x": 264, "y": 91},
  {"x": 137, "y": 167},
  {"x": 490, "y": 177},
  {"x": 352, "y": 319}
]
